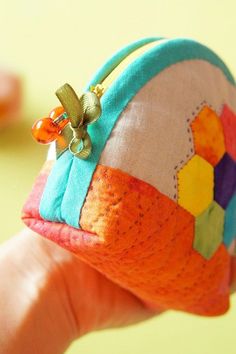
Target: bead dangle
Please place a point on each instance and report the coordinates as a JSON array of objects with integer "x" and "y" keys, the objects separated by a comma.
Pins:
[{"x": 67, "y": 124}]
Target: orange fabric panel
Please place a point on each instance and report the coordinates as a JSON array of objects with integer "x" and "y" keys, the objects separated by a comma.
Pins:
[{"x": 153, "y": 233}]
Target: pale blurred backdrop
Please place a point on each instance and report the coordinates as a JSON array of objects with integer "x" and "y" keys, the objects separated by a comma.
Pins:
[{"x": 49, "y": 43}]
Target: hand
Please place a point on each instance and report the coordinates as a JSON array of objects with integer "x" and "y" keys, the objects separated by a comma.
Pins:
[{"x": 48, "y": 298}]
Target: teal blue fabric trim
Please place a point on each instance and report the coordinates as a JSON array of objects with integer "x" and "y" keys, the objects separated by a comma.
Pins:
[
  {"x": 230, "y": 222},
  {"x": 50, "y": 204},
  {"x": 111, "y": 63},
  {"x": 114, "y": 101}
]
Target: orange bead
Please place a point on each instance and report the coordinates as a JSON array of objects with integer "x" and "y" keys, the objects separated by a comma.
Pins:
[
  {"x": 45, "y": 130},
  {"x": 55, "y": 113}
]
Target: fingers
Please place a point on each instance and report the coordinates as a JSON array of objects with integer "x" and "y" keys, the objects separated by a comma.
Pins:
[
  {"x": 97, "y": 302},
  {"x": 49, "y": 296},
  {"x": 34, "y": 311}
]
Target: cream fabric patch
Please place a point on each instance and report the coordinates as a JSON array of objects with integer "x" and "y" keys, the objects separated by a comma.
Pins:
[{"x": 152, "y": 138}]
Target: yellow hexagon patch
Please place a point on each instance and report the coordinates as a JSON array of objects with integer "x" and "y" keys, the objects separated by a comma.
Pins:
[{"x": 195, "y": 185}]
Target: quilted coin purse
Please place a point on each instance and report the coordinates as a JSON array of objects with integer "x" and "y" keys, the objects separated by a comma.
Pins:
[{"x": 140, "y": 179}]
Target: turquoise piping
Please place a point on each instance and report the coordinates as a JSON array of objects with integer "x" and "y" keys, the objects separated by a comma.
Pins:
[
  {"x": 230, "y": 222},
  {"x": 69, "y": 180},
  {"x": 115, "y": 60}
]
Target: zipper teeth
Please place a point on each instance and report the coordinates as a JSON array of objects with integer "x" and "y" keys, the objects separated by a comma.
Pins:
[{"x": 108, "y": 80}]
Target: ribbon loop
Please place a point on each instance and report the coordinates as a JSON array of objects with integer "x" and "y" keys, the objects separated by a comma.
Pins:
[
  {"x": 81, "y": 112},
  {"x": 76, "y": 149}
]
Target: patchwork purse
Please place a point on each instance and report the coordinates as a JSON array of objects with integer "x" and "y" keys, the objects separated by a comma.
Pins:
[{"x": 140, "y": 179}]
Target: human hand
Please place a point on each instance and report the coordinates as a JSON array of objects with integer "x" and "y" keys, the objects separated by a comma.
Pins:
[{"x": 48, "y": 298}]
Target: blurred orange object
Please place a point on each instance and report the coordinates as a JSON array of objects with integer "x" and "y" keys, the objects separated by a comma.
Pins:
[{"x": 10, "y": 98}]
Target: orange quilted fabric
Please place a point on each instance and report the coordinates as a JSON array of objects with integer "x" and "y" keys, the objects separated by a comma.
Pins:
[{"x": 141, "y": 240}]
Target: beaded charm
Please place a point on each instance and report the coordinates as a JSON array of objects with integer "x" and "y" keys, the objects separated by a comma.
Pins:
[{"x": 67, "y": 124}]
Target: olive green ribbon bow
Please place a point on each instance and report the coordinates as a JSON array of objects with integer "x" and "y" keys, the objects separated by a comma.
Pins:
[{"x": 81, "y": 112}]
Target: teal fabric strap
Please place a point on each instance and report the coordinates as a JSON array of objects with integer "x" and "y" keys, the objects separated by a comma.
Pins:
[
  {"x": 68, "y": 183},
  {"x": 230, "y": 222}
]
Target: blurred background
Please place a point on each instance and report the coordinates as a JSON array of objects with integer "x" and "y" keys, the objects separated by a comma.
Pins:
[{"x": 47, "y": 43}]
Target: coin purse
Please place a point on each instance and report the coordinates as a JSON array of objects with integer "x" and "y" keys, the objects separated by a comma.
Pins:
[{"x": 140, "y": 178}]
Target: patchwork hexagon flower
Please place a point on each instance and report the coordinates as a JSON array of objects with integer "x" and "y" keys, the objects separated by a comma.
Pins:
[{"x": 207, "y": 183}]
